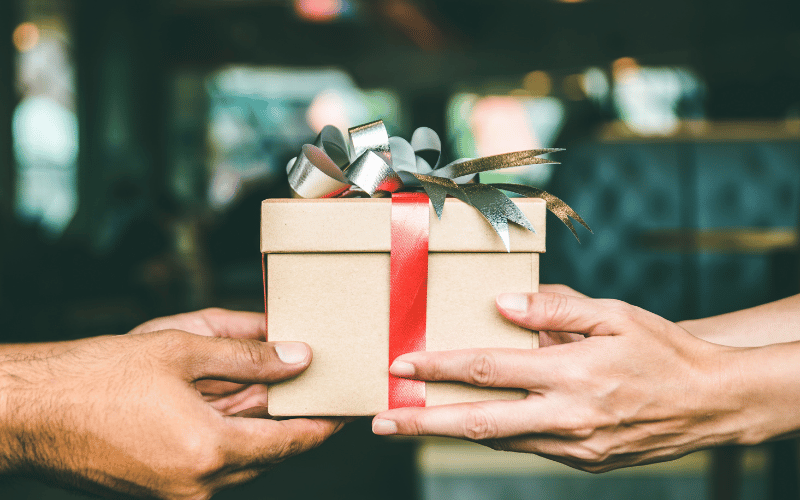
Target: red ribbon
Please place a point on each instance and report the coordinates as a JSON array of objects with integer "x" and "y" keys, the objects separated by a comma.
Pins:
[
  {"x": 264, "y": 281},
  {"x": 409, "y": 291}
]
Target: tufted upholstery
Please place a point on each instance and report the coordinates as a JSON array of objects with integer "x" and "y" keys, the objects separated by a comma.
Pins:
[{"x": 626, "y": 189}]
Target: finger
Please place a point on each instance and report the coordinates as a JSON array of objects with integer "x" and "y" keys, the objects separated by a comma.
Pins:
[
  {"x": 236, "y": 324},
  {"x": 551, "y": 447},
  {"x": 252, "y": 412},
  {"x": 213, "y": 322},
  {"x": 237, "y": 360},
  {"x": 529, "y": 369},
  {"x": 215, "y": 389},
  {"x": 262, "y": 441},
  {"x": 547, "y": 339},
  {"x": 562, "y": 289},
  {"x": 473, "y": 421},
  {"x": 558, "y": 312},
  {"x": 251, "y": 396}
]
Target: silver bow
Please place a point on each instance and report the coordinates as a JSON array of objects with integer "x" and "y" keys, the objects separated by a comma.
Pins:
[{"x": 370, "y": 163}]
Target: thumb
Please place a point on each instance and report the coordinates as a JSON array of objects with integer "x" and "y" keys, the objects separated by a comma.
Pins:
[{"x": 239, "y": 360}]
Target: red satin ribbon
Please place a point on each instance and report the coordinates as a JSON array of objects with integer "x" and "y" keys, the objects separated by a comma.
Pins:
[
  {"x": 264, "y": 281},
  {"x": 409, "y": 291}
]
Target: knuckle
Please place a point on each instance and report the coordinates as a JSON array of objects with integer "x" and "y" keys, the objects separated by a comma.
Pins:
[
  {"x": 587, "y": 456},
  {"x": 416, "y": 425},
  {"x": 479, "y": 425},
  {"x": 594, "y": 456},
  {"x": 593, "y": 469},
  {"x": 211, "y": 316},
  {"x": 203, "y": 458},
  {"x": 578, "y": 376},
  {"x": 253, "y": 353},
  {"x": 582, "y": 432},
  {"x": 483, "y": 370},
  {"x": 175, "y": 345},
  {"x": 575, "y": 428},
  {"x": 433, "y": 370},
  {"x": 551, "y": 305},
  {"x": 288, "y": 448},
  {"x": 599, "y": 467},
  {"x": 176, "y": 339},
  {"x": 620, "y": 311}
]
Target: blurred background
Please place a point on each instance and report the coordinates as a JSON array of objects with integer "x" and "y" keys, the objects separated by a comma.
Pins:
[{"x": 138, "y": 137}]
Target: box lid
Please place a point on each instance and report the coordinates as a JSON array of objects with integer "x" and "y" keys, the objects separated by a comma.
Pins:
[{"x": 363, "y": 225}]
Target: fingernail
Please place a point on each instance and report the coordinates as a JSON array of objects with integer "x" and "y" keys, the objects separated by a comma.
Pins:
[
  {"x": 516, "y": 302},
  {"x": 292, "y": 353},
  {"x": 402, "y": 369},
  {"x": 384, "y": 427}
]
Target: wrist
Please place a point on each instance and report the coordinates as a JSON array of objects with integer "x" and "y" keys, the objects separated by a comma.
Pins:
[
  {"x": 759, "y": 386},
  {"x": 21, "y": 352},
  {"x": 25, "y": 445},
  {"x": 10, "y": 456}
]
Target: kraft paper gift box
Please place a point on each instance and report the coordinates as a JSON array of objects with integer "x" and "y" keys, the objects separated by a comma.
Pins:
[{"x": 327, "y": 272}]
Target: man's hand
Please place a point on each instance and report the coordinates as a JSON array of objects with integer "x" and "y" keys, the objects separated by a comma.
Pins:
[
  {"x": 637, "y": 389},
  {"x": 124, "y": 415},
  {"x": 231, "y": 398}
]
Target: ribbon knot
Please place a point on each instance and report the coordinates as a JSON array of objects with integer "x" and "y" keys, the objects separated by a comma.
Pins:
[{"x": 370, "y": 163}]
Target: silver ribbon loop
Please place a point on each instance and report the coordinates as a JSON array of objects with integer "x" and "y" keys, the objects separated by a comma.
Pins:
[
  {"x": 315, "y": 175},
  {"x": 369, "y": 162},
  {"x": 372, "y": 174},
  {"x": 331, "y": 140},
  {"x": 371, "y": 137}
]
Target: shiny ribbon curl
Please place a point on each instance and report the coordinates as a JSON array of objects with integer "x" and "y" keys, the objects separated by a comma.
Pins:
[{"x": 370, "y": 163}]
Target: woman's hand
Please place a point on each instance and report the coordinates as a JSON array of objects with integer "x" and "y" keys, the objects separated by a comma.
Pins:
[{"x": 637, "y": 389}]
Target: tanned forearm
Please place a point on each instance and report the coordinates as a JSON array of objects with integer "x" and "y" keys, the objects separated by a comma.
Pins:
[
  {"x": 36, "y": 350},
  {"x": 12, "y": 380},
  {"x": 772, "y": 323}
]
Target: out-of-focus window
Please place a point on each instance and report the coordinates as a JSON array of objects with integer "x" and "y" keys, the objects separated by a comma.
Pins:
[
  {"x": 260, "y": 117},
  {"x": 651, "y": 101},
  {"x": 528, "y": 118},
  {"x": 45, "y": 127}
]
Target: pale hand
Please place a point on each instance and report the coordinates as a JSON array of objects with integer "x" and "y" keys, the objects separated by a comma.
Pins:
[{"x": 637, "y": 389}]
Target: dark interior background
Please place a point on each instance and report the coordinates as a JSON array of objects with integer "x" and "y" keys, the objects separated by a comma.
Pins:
[{"x": 146, "y": 239}]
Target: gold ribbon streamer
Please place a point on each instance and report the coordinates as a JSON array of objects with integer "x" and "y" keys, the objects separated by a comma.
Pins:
[{"x": 488, "y": 163}]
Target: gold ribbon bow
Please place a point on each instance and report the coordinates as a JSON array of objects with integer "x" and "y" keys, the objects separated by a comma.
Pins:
[{"x": 370, "y": 163}]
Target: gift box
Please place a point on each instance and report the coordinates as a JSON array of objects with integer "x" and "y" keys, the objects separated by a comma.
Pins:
[
  {"x": 392, "y": 252},
  {"x": 328, "y": 283}
]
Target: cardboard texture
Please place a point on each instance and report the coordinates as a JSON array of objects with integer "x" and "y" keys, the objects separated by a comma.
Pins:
[{"x": 328, "y": 285}]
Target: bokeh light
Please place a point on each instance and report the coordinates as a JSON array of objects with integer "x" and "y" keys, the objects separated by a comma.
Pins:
[
  {"x": 537, "y": 83},
  {"x": 319, "y": 10},
  {"x": 25, "y": 37},
  {"x": 624, "y": 67}
]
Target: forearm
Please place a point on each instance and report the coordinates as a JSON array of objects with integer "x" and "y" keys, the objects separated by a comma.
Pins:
[
  {"x": 767, "y": 324},
  {"x": 32, "y": 437},
  {"x": 37, "y": 350},
  {"x": 15, "y": 380},
  {"x": 765, "y": 380}
]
